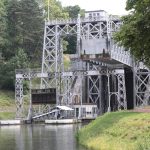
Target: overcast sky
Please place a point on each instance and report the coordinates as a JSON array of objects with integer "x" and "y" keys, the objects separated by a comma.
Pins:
[{"x": 115, "y": 7}]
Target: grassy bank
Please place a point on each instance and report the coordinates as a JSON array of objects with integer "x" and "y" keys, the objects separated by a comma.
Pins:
[
  {"x": 117, "y": 131},
  {"x": 7, "y": 105}
]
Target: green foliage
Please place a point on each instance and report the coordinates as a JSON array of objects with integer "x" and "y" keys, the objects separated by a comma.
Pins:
[
  {"x": 7, "y": 98},
  {"x": 7, "y": 105},
  {"x": 66, "y": 61},
  {"x": 71, "y": 46},
  {"x": 31, "y": 28},
  {"x": 2, "y": 23},
  {"x": 22, "y": 38},
  {"x": 7, "y": 115},
  {"x": 135, "y": 32},
  {"x": 7, "y": 69},
  {"x": 74, "y": 11},
  {"x": 56, "y": 10},
  {"x": 25, "y": 25},
  {"x": 117, "y": 131},
  {"x": 21, "y": 34}
]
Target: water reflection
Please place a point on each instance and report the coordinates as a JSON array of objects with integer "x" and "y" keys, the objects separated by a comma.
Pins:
[{"x": 39, "y": 137}]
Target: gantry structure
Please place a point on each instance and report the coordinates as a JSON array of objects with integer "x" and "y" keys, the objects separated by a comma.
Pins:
[{"x": 102, "y": 72}]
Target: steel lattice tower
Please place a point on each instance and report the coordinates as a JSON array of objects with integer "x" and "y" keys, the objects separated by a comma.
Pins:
[{"x": 69, "y": 84}]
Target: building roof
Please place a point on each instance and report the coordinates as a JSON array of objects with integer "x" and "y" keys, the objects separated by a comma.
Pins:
[
  {"x": 64, "y": 108},
  {"x": 95, "y": 11}
]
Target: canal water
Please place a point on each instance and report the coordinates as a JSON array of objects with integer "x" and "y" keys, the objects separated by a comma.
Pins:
[{"x": 39, "y": 137}]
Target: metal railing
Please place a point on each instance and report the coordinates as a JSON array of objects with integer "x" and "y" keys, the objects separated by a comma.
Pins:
[
  {"x": 118, "y": 53},
  {"x": 75, "y": 20},
  {"x": 28, "y": 70}
]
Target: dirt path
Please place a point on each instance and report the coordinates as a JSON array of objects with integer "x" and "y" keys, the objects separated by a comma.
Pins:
[{"x": 142, "y": 110}]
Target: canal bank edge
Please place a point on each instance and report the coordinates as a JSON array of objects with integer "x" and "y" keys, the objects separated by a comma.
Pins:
[{"x": 117, "y": 131}]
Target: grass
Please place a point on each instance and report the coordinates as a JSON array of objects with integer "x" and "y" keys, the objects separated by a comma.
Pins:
[
  {"x": 7, "y": 105},
  {"x": 117, "y": 131},
  {"x": 66, "y": 61},
  {"x": 7, "y": 115}
]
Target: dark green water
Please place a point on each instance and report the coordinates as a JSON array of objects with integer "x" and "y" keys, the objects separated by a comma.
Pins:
[{"x": 39, "y": 137}]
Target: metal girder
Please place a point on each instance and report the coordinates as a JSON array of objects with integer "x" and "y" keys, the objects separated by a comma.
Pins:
[
  {"x": 122, "y": 101},
  {"x": 93, "y": 31},
  {"x": 19, "y": 97},
  {"x": 94, "y": 71},
  {"x": 52, "y": 73},
  {"x": 142, "y": 87},
  {"x": 94, "y": 90},
  {"x": 95, "y": 87},
  {"x": 117, "y": 97}
]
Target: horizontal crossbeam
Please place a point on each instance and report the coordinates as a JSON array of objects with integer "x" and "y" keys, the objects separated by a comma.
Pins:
[{"x": 32, "y": 74}]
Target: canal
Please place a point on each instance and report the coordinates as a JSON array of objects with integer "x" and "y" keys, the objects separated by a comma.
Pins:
[{"x": 39, "y": 137}]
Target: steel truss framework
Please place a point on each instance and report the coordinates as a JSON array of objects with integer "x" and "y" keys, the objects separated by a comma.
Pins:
[
  {"x": 95, "y": 89},
  {"x": 19, "y": 97},
  {"x": 84, "y": 29},
  {"x": 52, "y": 60},
  {"x": 69, "y": 90},
  {"x": 120, "y": 92},
  {"x": 142, "y": 86}
]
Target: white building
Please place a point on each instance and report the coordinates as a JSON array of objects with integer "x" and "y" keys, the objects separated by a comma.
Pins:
[{"x": 97, "y": 14}]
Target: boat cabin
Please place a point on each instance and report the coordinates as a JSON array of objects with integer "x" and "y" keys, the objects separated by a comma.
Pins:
[{"x": 86, "y": 111}]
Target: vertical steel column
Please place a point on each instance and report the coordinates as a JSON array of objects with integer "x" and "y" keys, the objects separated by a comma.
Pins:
[
  {"x": 121, "y": 90},
  {"x": 94, "y": 92},
  {"x": 88, "y": 84},
  {"x": 109, "y": 29},
  {"x": 76, "y": 89},
  {"x": 19, "y": 97},
  {"x": 29, "y": 117},
  {"x": 122, "y": 102},
  {"x": 100, "y": 95},
  {"x": 109, "y": 94},
  {"x": 78, "y": 35},
  {"x": 67, "y": 91},
  {"x": 43, "y": 56},
  {"x": 57, "y": 37},
  {"x": 49, "y": 60},
  {"x": 60, "y": 69},
  {"x": 142, "y": 86},
  {"x": 134, "y": 85}
]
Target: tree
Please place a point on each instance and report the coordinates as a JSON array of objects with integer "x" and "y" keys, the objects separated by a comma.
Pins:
[
  {"x": 55, "y": 10},
  {"x": 25, "y": 29},
  {"x": 71, "y": 44},
  {"x": 23, "y": 38},
  {"x": 31, "y": 28},
  {"x": 12, "y": 37},
  {"x": 134, "y": 34},
  {"x": 2, "y": 24},
  {"x": 74, "y": 11},
  {"x": 7, "y": 69}
]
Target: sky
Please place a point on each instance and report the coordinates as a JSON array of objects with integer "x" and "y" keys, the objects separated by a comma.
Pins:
[{"x": 114, "y": 7}]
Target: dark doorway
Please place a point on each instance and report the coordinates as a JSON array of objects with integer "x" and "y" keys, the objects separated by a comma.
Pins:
[{"x": 129, "y": 88}]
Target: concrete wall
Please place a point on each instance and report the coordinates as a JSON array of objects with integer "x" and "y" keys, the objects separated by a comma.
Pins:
[{"x": 94, "y": 46}]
